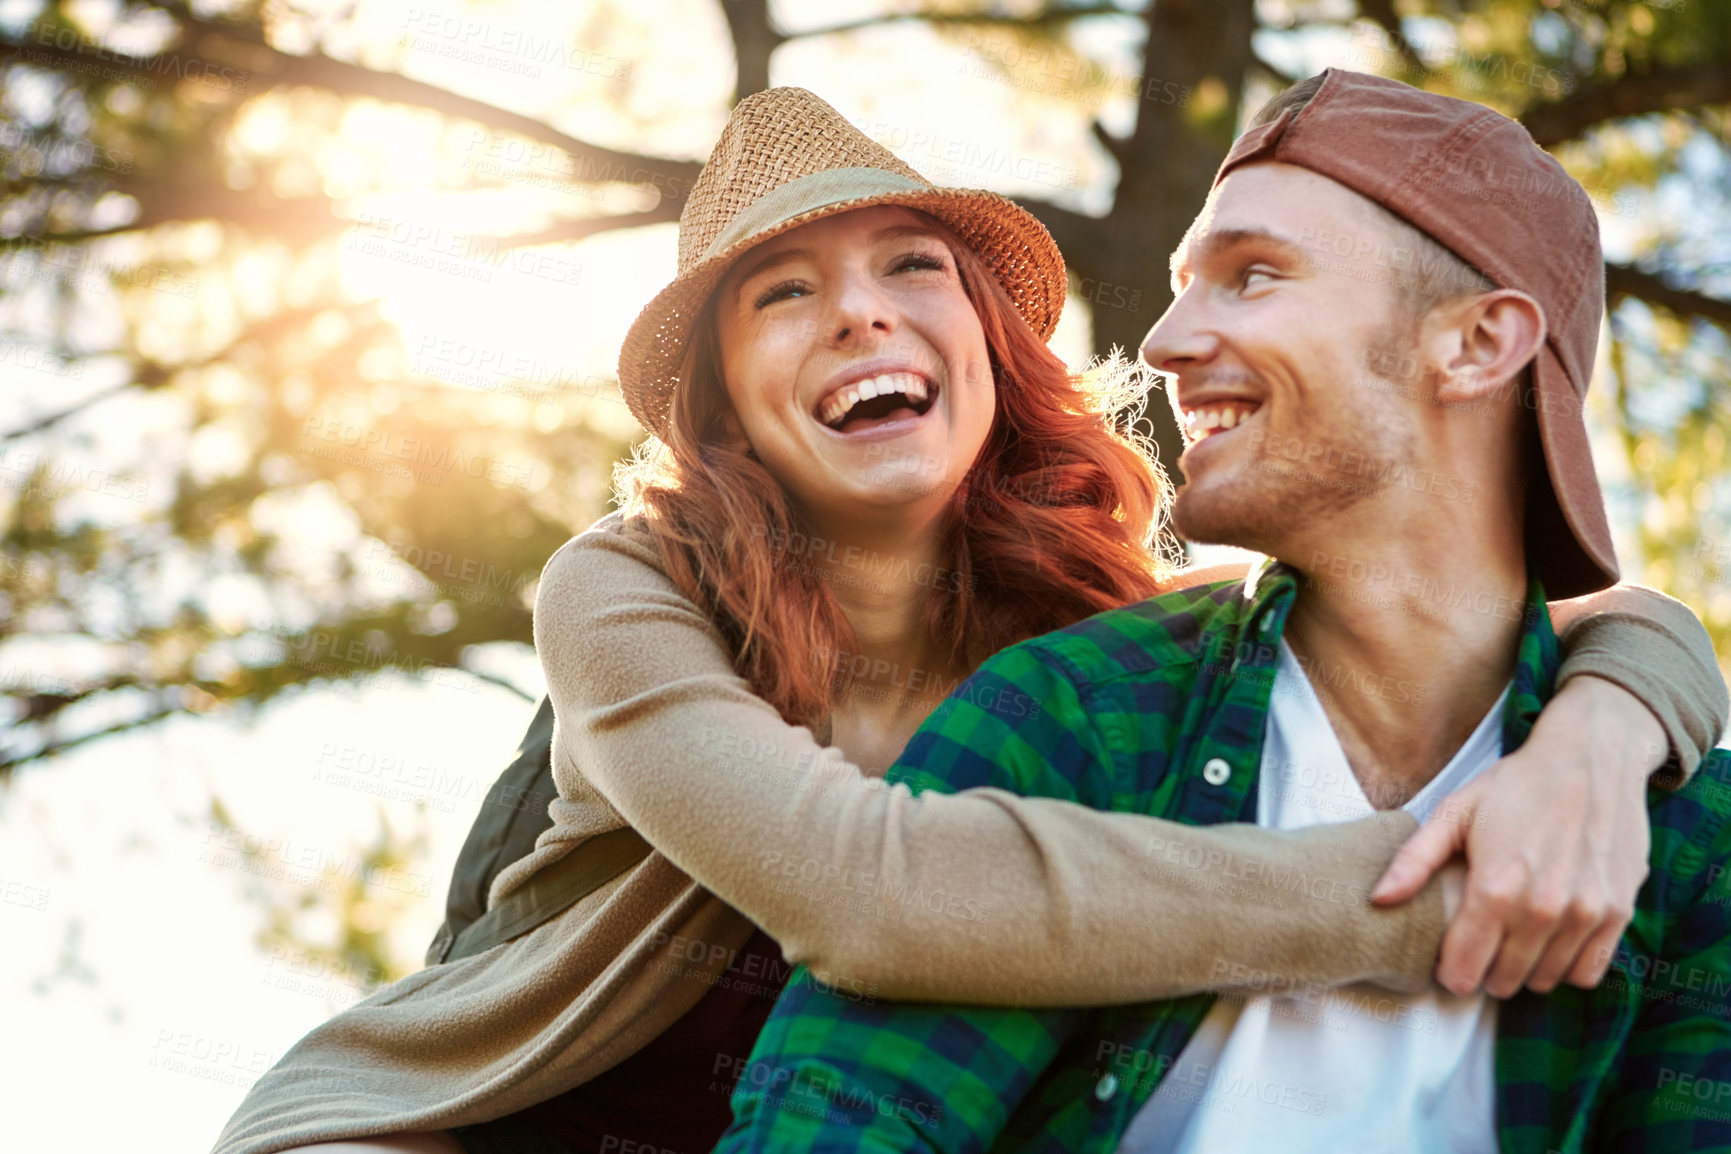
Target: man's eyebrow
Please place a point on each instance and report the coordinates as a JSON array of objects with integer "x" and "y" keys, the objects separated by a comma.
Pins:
[{"x": 1223, "y": 240}]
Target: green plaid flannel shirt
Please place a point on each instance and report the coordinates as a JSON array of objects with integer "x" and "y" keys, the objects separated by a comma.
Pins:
[{"x": 1140, "y": 709}]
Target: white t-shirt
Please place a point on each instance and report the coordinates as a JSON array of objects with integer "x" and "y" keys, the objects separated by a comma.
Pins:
[{"x": 1354, "y": 1068}]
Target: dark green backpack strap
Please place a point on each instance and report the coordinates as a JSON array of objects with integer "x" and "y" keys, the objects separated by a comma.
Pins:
[
  {"x": 511, "y": 819},
  {"x": 553, "y": 890}
]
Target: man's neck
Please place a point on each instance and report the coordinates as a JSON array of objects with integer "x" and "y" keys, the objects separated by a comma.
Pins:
[{"x": 1408, "y": 648}]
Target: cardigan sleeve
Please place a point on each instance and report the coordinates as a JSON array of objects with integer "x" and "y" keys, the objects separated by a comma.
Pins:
[
  {"x": 1650, "y": 644},
  {"x": 1653, "y": 646},
  {"x": 1018, "y": 901}
]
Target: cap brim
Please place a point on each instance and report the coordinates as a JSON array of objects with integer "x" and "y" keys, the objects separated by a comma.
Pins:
[
  {"x": 1010, "y": 239},
  {"x": 1568, "y": 536}
]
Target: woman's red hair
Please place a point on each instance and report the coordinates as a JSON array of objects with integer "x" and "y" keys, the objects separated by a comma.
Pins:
[{"x": 1054, "y": 522}]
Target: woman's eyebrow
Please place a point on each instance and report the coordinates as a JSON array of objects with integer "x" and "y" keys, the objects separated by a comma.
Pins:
[
  {"x": 764, "y": 264},
  {"x": 783, "y": 256},
  {"x": 899, "y": 231}
]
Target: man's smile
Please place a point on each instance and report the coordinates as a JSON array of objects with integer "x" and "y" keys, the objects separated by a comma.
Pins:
[{"x": 1212, "y": 418}]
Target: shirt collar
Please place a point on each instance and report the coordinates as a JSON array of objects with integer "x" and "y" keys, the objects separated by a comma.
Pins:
[{"x": 1272, "y": 587}]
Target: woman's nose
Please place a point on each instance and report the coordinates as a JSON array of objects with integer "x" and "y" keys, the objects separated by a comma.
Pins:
[{"x": 862, "y": 310}]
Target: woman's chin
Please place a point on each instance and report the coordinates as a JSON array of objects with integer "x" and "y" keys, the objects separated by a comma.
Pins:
[{"x": 880, "y": 495}]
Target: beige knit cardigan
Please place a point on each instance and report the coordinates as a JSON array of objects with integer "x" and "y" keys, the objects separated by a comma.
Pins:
[{"x": 980, "y": 897}]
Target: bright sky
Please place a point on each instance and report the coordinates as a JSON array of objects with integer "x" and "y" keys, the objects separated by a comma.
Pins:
[{"x": 129, "y": 959}]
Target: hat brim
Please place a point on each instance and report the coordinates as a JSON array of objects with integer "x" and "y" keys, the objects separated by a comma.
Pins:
[
  {"x": 1569, "y": 542},
  {"x": 1009, "y": 239}
]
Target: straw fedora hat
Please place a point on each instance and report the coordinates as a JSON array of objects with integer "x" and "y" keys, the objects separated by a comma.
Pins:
[{"x": 785, "y": 159}]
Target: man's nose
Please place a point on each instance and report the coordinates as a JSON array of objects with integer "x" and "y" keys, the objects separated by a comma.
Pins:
[
  {"x": 1180, "y": 336},
  {"x": 861, "y": 308}
]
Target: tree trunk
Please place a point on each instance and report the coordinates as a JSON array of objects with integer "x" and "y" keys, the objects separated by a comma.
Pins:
[
  {"x": 754, "y": 39},
  {"x": 1193, "y": 69}
]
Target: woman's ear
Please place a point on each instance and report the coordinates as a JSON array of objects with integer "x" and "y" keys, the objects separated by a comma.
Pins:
[
  {"x": 732, "y": 432},
  {"x": 1485, "y": 341}
]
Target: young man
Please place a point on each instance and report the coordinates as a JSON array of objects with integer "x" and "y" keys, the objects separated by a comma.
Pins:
[{"x": 1403, "y": 436}]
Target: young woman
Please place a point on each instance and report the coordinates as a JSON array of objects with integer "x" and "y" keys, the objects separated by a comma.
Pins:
[{"x": 871, "y": 473}]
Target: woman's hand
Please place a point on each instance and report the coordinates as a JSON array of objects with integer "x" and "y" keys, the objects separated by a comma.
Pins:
[{"x": 1555, "y": 836}]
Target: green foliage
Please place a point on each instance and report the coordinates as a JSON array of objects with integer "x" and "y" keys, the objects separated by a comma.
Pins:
[{"x": 226, "y": 477}]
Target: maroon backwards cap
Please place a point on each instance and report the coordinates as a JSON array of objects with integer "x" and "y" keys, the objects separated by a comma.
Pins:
[{"x": 1475, "y": 180}]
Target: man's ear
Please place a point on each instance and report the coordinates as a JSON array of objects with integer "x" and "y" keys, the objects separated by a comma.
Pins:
[{"x": 1482, "y": 342}]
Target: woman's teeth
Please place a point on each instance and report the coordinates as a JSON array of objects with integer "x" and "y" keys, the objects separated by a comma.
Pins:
[{"x": 909, "y": 385}]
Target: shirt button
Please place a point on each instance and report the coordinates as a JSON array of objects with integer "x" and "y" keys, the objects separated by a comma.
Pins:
[
  {"x": 1216, "y": 771},
  {"x": 1106, "y": 1087}
]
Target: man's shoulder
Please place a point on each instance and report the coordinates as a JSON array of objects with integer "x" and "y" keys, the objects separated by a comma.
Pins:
[{"x": 1166, "y": 633}]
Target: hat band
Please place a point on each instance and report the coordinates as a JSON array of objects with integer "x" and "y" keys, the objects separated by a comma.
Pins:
[{"x": 807, "y": 194}]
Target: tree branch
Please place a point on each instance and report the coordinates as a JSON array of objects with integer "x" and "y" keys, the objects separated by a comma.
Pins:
[
  {"x": 1666, "y": 90},
  {"x": 755, "y": 38},
  {"x": 52, "y": 748},
  {"x": 1115, "y": 146},
  {"x": 573, "y": 230},
  {"x": 1623, "y": 281},
  {"x": 1073, "y": 231},
  {"x": 1278, "y": 75},
  {"x": 245, "y": 48},
  {"x": 262, "y": 68},
  {"x": 984, "y": 19},
  {"x": 53, "y": 419},
  {"x": 495, "y": 679},
  {"x": 1382, "y": 13}
]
